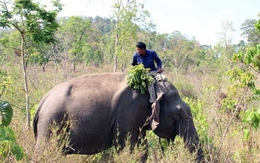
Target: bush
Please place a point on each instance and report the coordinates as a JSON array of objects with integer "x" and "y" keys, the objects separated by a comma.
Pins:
[{"x": 8, "y": 144}]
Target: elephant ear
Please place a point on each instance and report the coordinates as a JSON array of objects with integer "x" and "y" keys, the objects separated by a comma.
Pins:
[{"x": 154, "y": 118}]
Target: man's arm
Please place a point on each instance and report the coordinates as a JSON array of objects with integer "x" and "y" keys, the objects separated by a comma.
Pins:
[
  {"x": 158, "y": 61},
  {"x": 134, "y": 61}
]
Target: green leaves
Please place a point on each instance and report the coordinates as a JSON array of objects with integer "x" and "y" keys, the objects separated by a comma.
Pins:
[
  {"x": 6, "y": 113},
  {"x": 252, "y": 56},
  {"x": 199, "y": 119},
  {"x": 8, "y": 144},
  {"x": 243, "y": 93},
  {"x": 30, "y": 18},
  {"x": 257, "y": 26},
  {"x": 244, "y": 74},
  {"x": 138, "y": 78},
  {"x": 251, "y": 117}
]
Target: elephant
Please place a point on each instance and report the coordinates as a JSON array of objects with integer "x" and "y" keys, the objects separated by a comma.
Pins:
[{"x": 102, "y": 108}]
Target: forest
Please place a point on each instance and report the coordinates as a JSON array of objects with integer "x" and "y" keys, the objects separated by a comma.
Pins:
[{"x": 220, "y": 82}]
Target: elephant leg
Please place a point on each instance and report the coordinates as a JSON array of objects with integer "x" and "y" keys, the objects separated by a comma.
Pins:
[
  {"x": 119, "y": 141},
  {"x": 136, "y": 139},
  {"x": 143, "y": 142},
  {"x": 169, "y": 140},
  {"x": 122, "y": 137}
]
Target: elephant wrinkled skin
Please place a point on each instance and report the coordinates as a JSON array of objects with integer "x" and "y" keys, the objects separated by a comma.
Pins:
[{"x": 101, "y": 108}]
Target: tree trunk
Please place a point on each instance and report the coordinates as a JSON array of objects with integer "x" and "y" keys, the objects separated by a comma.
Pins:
[
  {"x": 116, "y": 51},
  {"x": 74, "y": 62},
  {"x": 116, "y": 43},
  {"x": 26, "y": 90},
  {"x": 74, "y": 66},
  {"x": 66, "y": 66},
  {"x": 44, "y": 67},
  {"x": 115, "y": 63}
]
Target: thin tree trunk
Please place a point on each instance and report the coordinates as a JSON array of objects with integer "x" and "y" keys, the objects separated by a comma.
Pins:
[
  {"x": 66, "y": 66},
  {"x": 74, "y": 62},
  {"x": 26, "y": 90},
  {"x": 44, "y": 67},
  {"x": 115, "y": 63},
  {"x": 116, "y": 50},
  {"x": 116, "y": 43},
  {"x": 56, "y": 65},
  {"x": 182, "y": 62}
]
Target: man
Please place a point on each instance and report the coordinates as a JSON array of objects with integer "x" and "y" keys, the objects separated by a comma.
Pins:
[{"x": 147, "y": 58}]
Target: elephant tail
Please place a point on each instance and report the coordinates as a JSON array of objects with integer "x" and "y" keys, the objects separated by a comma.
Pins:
[
  {"x": 36, "y": 116},
  {"x": 35, "y": 121}
]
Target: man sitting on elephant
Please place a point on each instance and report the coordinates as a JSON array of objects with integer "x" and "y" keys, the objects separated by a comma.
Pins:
[{"x": 147, "y": 58}]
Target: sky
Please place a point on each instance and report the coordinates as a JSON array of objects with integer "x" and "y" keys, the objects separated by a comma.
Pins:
[{"x": 194, "y": 18}]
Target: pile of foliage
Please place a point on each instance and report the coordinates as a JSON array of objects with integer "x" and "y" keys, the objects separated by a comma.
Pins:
[{"x": 138, "y": 78}]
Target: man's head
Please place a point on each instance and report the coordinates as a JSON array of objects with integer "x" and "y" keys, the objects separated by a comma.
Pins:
[{"x": 141, "y": 48}]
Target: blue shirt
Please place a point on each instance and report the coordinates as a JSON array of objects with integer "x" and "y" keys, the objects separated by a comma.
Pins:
[{"x": 147, "y": 60}]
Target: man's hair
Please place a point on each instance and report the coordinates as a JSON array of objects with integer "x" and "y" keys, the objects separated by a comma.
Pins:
[{"x": 141, "y": 45}]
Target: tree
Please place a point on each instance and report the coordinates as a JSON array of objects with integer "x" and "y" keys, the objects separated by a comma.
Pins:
[
  {"x": 226, "y": 34},
  {"x": 104, "y": 25},
  {"x": 74, "y": 33},
  {"x": 127, "y": 16},
  {"x": 179, "y": 50},
  {"x": 244, "y": 92},
  {"x": 224, "y": 48},
  {"x": 102, "y": 43},
  {"x": 32, "y": 20},
  {"x": 250, "y": 32},
  {"x": 10, "y": 43},
  {"x": 43, "y": 54}
]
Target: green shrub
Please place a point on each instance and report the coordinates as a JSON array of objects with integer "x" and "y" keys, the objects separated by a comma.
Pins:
[{"x": 8, "y": 144}]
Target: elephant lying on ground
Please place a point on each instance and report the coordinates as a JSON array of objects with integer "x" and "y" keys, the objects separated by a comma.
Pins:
[{"x": 102, "y": 108}]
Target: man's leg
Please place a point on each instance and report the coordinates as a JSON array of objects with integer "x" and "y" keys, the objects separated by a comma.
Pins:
[{"x": 152, "y": 92}]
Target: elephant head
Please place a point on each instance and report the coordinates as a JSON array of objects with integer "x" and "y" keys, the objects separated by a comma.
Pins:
[{"x": 171, "y": 116}]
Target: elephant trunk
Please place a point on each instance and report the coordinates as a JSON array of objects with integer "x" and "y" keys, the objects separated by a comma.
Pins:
[{"x": 191, "y": 140}]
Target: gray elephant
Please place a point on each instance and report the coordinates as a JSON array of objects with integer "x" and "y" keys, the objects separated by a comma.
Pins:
[{"x": 101, "y": 108}]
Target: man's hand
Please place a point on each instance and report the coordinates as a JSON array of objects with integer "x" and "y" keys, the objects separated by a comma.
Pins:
[{"x": 159, "y": 70}]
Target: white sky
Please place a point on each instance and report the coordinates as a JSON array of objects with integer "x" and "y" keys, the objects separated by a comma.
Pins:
[{"x": 198, "y": 18}]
